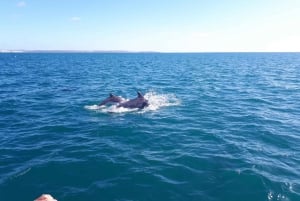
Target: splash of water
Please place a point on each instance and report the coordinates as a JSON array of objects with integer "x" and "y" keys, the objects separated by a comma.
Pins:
[{"x": 156, "y": 101}]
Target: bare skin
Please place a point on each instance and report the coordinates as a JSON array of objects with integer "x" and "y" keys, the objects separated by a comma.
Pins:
[
  {"x": 111, "y": 99},
  {"x": 138, "y": 102}
]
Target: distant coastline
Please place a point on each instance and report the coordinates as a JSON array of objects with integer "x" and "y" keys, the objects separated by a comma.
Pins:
[
  {"x": 127, "y": 51},
  {"x": 74, "y": 51}
]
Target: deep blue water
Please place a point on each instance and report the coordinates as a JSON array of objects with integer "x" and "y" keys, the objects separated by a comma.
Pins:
[{"x": 225, "y": 127}]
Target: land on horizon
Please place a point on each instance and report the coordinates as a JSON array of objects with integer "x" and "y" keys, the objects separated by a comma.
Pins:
[{"x": 127, "y": 51}]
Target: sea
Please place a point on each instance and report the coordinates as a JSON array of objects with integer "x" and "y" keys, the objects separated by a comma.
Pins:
[{"x": 219, "y": 127}]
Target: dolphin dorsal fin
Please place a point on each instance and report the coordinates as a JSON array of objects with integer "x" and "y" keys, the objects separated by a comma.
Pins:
[{"x": 139, "y": 94}]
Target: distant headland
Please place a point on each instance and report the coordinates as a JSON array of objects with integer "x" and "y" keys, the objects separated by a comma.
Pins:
[{"x": 74, "y": 51}]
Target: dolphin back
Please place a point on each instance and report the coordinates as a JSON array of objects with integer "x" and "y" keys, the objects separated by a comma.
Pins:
[
  {"x": 111, "y": 99},
  {"x": 139, "y": 102}
]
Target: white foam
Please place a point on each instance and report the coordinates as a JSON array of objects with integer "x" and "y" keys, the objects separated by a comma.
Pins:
[
  {"x": 115, "y": 109},
  {"x": 93, "y": 107},
  {"x": 156, "y": 101}
]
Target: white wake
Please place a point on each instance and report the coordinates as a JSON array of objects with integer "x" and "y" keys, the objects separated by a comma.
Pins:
[{"x": 156, "y": 101}]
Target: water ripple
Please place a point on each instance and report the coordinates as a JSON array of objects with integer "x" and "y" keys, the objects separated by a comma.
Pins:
[{"x": 221, "y": 127}]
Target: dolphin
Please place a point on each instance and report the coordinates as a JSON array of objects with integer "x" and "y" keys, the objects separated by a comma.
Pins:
[
  {"x": 139, "y": 102},
  {"x": 111, "y": 99}
]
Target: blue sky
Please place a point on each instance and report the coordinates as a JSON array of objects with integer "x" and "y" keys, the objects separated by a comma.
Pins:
[{"x": 151, "y": 25}]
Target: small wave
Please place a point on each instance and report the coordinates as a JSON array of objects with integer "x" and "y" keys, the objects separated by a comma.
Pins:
[
  {"x": 115, "y": 109},
  {"x": 156, "y": 101},
  {"x": 23, "y": 172},
  {"x": 109, "y": 109},
  {"x": 93, "y": 107}
]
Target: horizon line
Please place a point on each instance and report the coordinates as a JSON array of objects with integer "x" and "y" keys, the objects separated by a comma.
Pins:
[{"x": 129, "y": 51}]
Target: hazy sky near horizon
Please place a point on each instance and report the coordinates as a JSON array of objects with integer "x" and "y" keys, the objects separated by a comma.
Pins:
[{"x": 151, "y": 25}]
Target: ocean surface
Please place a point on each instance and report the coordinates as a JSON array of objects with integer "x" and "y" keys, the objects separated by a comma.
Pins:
[{"x": 220, "y": 127}]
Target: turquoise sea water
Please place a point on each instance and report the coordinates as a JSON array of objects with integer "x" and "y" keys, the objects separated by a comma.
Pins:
[{"x": 220, "y": 127}]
